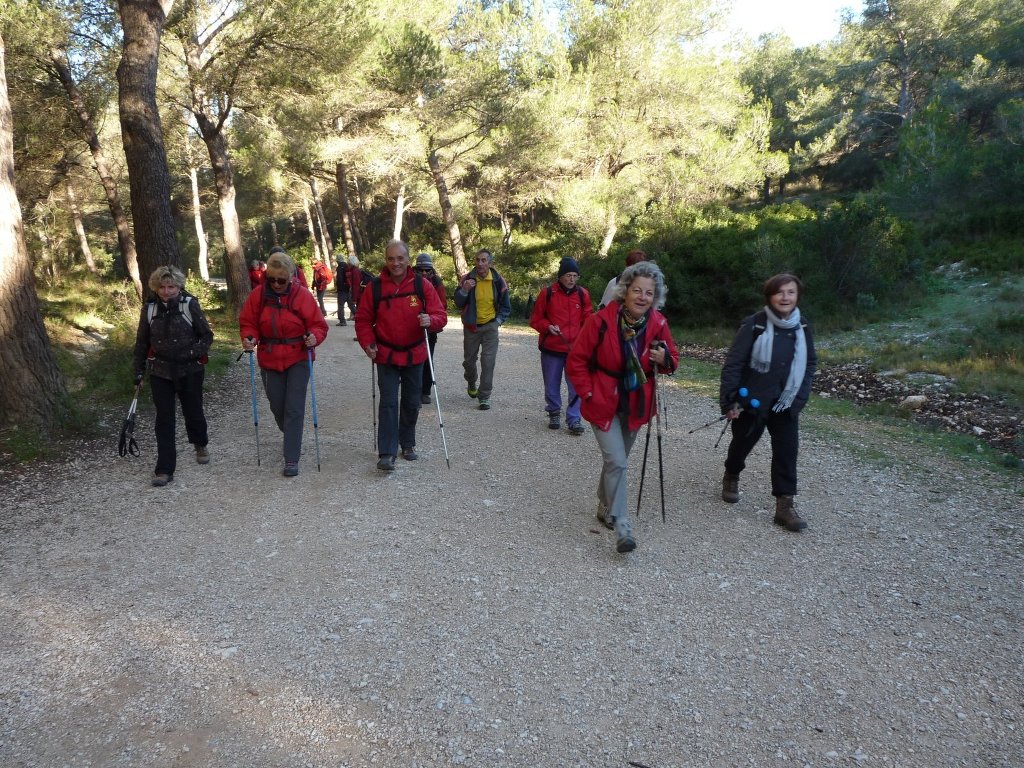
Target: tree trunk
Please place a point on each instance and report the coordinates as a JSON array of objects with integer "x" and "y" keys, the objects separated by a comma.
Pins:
[
  {"x": 83, "y": 241},
  {"x": 346, "y": 209},
  {"x": 359, "y": 219},
  {"x": 309, "y": 223},
  {"x": 235, "y": 273},
  {"x": 197, "y": 215},
  {"x": 273, "y": 230},
  {"x": 125, "y": 243},
  {"x": 325, "y": 236},
  {"x": 448, "y": 213},
  {"x": 33, "y": 391},
  {"x": 142, "y": 135},
  {"x": 766, "y": 190},
  {"x": 506, "y": 228},
  {"x": 399, "y": 213},
  {"x": 610, "y": 228}
]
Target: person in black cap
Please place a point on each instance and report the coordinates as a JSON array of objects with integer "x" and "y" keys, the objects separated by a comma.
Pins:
[
  {"x": 425, "y": 268},
  {"x": 558, "y": 315}
]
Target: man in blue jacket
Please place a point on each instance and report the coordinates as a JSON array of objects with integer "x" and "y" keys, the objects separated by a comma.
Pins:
[{"x": 483, "y": 298}]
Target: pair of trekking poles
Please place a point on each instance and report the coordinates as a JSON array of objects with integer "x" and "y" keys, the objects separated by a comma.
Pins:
[
  {"x": 437, "y": 399},
  {"x": 255, "y": 408}
]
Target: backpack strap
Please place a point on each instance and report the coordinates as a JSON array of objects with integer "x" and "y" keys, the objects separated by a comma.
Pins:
[{"x": 184, "y": 308}]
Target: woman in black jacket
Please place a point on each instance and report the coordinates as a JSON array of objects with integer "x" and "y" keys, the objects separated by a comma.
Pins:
[
  {"x": 772, "y": 362},
  {"x": 175, "y": 337}
]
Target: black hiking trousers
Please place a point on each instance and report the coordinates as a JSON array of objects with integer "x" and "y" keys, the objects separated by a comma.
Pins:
[
  {"x": 784, "y": 429},
  {"x": 188, "y": 390}
]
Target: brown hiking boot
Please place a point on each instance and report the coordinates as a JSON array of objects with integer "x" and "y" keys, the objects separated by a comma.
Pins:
[
  {"x": 786, "y": 514},
  {"x": 730, "y": 488}
]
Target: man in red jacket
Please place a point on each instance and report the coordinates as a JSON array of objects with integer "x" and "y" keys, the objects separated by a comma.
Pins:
[
  {"x": 391, "y": 316},
  {"x": 558, "y": 315}
]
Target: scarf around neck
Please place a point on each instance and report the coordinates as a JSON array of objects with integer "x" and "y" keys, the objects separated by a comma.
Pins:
[
  {"x": 761, "y": 355},
  {"x": 632, "y": 334}
]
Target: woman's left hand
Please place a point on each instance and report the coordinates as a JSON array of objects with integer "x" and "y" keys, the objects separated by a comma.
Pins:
[
  {"x": 310, "y": 340},
  {"x": 658, "y": 353}
]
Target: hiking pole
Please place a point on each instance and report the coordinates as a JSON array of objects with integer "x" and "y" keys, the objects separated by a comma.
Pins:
[
  {"x": 752, "y": 402},
  {"x": 657, "y": 423},
  {"x": 126, "y": 443},
  {"x": 709, "y": 424},
  {"x": 643, "y": 469},
  {"x": 437, "y": 400},
  {"x": 312, "y": 392},
  {"x": 373, "y": 393},
  {"x": 255, "y": 410}
]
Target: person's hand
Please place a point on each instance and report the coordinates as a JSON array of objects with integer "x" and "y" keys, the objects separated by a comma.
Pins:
[
  {"x": 554, "y": 329},
  {"x": 248, "y": 343},
  {"x": 658, "y": 353},
  {"x": 371, "y": 351},
  {"x": 733, "y": 412},
  {"x": 468, "y": 284},
  {"x": 424, "y": 319},
  {"x": 137, "y": 380},
  {"x": 310, "y": 340}
]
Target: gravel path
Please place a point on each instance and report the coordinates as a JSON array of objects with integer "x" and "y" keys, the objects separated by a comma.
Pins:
[{"x": 481, "y": 617}]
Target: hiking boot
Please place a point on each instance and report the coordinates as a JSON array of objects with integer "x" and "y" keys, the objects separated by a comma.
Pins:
[
  {"x": 160, "y": 479},
  {"x": 472, "y": 391},
  {"x": 409, "y": 454},
  {"x": 576, "y": 428},
  {"x": 554, "y": 420},
  {"x": 730, "y": 488},
  {"x": 386, "y": 463},
  {"x": 425, "y": 399},
  {"x": 625, "y": 544},
  {"x": 342, "y": 323},
  {"x": 202, "y": 454},
  {"x": 291, "y": 469},
  {"x": 786, "y": 514},
  {"x": 604, "y": 518},
  {"x": 485, "y": 405}
]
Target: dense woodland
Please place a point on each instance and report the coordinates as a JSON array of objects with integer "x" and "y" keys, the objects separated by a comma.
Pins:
[{"x": 202, "y": 132}]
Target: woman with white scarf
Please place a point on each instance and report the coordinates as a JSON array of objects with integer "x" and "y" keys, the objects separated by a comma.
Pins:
[{"x": 765, "y": 383}]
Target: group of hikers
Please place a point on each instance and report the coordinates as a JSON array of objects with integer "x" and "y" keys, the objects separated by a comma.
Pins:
[{"x": 609, "y": 359}]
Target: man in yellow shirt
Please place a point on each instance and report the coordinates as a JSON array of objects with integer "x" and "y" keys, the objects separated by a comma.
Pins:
[{"x": 483, "y": 298}]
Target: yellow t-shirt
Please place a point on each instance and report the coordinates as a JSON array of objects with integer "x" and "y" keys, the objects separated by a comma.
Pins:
[{"x": 485, "y": 311}]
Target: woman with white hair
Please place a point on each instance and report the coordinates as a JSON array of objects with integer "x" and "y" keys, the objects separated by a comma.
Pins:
[{"x": 612, "y": 366}]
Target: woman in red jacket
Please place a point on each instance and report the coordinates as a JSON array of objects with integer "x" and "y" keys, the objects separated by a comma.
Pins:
[
  {"x": 282, "y": 320},
  {"x": 612, "y": 366}
]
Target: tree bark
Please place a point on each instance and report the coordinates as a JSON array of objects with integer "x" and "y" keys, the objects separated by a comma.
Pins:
[
  {"x": 346, "y": 209},
  {"x": 142, "y": 134},
  {"x": 197, "y": 216},
  {"x": 325, "y": 236},
  {"x": 32, "y": 392},
  {"x": 83, "y": 241},
  {"x": 448, "y": 213},
  {"x": 125, "y": 242},
  {"x": 399, "y": 213},
  {"x": 359, "y": 220},
  {"x": 309, "y": 223},
  {"x": 610, "y": 228},
  {"x": 235, "y": 273}
]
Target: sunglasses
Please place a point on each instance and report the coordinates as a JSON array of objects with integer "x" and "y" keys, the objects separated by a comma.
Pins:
[{"x": 277, "y": 280}]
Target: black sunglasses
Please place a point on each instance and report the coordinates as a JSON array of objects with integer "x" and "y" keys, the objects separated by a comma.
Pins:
[{"x": 277, "y": 280}]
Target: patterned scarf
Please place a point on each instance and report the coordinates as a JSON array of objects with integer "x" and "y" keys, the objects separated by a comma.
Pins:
[{"x": 632, "y": 334}]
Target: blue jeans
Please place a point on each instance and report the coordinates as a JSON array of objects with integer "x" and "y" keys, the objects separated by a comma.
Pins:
[
  {"x": 286, "y": 393},
  {"x": 612, "y": 491},
  {"x": 553, "y": 368},
  {"x": 396, "y": 422}
]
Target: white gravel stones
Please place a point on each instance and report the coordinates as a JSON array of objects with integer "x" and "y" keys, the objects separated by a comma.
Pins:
[{"x": 481, "y": 617}]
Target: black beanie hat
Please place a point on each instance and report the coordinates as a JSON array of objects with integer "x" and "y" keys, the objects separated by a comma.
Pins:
[{"x": 568, "y": 265}]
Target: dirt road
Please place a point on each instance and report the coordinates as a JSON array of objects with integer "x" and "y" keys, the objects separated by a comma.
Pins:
[{"x": 480, "y": 616}]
